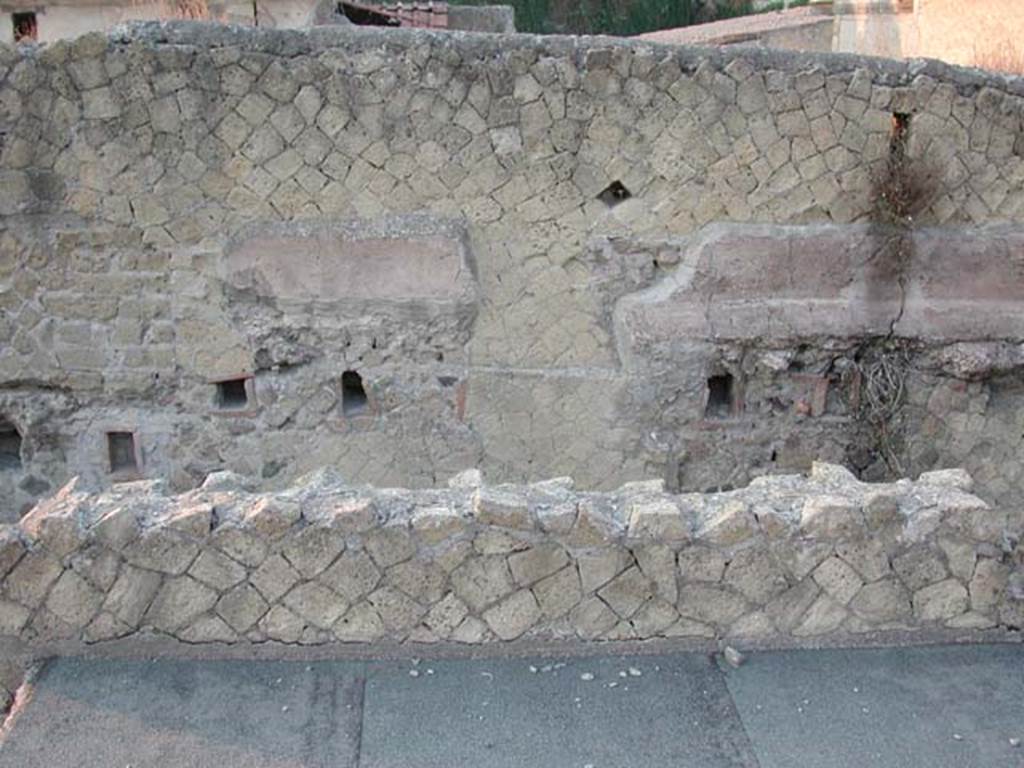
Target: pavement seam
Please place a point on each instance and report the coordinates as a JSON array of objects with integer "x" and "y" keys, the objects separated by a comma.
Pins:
[
  {"x": 751, "y": 758},
  {"x": 360, "y": 703}
]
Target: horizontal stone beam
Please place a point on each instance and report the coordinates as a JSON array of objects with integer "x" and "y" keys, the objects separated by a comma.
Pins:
[
  {"x": 783, "y": 283},
  {"x": 325, "y": 562}
]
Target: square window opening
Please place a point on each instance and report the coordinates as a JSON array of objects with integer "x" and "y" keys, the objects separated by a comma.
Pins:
[
  {"x": 121, "y": 452},
  {"x": 26, "y": 29},
  {"x": 353, "y": 394},
  {"x": 10, "y": 446},
  {"x": 232, "y": 394},
  {"x": 721, "y": 399}
]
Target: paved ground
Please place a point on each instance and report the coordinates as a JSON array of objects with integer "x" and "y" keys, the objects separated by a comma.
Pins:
[{"x": 941, "y": 706}]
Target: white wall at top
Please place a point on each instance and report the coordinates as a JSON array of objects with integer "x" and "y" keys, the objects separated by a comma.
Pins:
[{"x": 61, "y": 22}]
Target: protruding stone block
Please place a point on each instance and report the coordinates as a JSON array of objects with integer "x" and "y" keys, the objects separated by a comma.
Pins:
[
  {"x": 117, "y": 528},
  {"x": 729, "y": 524},
  {"x": 436, "y": 523},
  {"x": 506, "y": 509},
  {"x": 831, "y": 518},
  {"x": 657, "y": 519}
]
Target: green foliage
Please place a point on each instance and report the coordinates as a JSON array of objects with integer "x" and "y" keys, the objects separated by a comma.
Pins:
[{"x": 612, "y": 17}]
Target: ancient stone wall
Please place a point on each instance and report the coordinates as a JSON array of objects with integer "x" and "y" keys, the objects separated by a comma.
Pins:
[
  {"x": 401, "y": 253},
  {"x": 323, "y": 562}
]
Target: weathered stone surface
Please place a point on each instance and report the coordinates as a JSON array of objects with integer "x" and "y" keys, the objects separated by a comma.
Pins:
[
  {"x": 838, "y": 579},
  {"x": 247, "y": 547},
  {"x": 397, "y": 611},
  {"x": 502, "y": 508},
  {"x": 960, "y": 556},
  {"x": 180, "y": 600},
  {"x": 786, "y": 610},
  {"x": 241, "y": 607},
  {"x": 755, "y": 574},
  {"x": 316, "y": 604},
  {"x": 710, "y": 605},
  {"x": 940, "y": 601},
  {"x": 447, "y": 614},
  {"x": 732, "y": 523},
  {"x": 208, "y": 629},
  {"x": 627, "y": 592},
  {"x": 31, "y": 578},
  {"x": 659, "y": 519},
  {"x": 701, "y": 564},
  {"x": 437, "y": 523},
  {"x": 919, "y": 567},
  {"x": 868, "y": 558},
  {"x": 882, "y": 602},
  {"x": 274, "y": 577},
  {"x": 558, "y": 593},
  {"x": 534, "y": 564},
  {"x": 13, "y": 617},
  {"x": 988, "y": 584},
  {"x": 282, "y": 625},
  {"x": 391, "y": 545},
  {"x": 592, "y": 618},
  {"x": 313, "y": 549},
  {"x": 117, "y": 528},
  {"x": 11, "y": 548},
  {"x": 658, "y": 563},
  {"x": 352, "y": 576},
  {"x": 654, "y": 617},
  {"x": 271, "y": 518},
  {"x": 162, "y": 550},
  {"x": 420, "y": 579},
  {"x": 132, "y": 594},
  {"x": 831, "y": 517},
  {"x": 73, "y": 600},
  {"x": 482, "y": 581},
  {"x": 216, "y": 570},
  {"x": 98, "y": 566},
  {"x": 513, "y": 616},
  {"x": 824, "y": 615},
  {"x": 600, "y": 567},
  {"x": 362, "y": 624}
]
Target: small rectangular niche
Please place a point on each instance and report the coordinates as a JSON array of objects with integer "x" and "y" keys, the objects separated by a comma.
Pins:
[
  {"x": 10, "y": 445},
  {"x": 353, "y": 394},
  {"x": 26, "y": 29},
  {"x": 721, "y": 397},
  {"x": 122, "y": 453},
  {"x": 233, "y": 394}
]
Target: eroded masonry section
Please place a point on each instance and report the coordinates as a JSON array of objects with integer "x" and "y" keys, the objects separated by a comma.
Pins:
[{"x": 323, "y": 562}]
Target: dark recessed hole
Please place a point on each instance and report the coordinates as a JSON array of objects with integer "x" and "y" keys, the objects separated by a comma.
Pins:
[
  {"x": 447, "y": 381},
  {"x": 720, "y": 397},
  {"x": 775, "y": 456},
  {"x": 25, "y": 28},
  {"x": 232, "y": 394},
  {"x": 121, "y": 452},
  {"x": 614, "y": 194},
  {"x": 353, "y": 395},
  {"x": 899, "y": 133},
  {"x": 10, "y": 445}
]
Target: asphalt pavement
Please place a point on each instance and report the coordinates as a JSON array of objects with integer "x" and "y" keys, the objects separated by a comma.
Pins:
[{"x": 928, "y": 707}]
